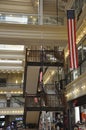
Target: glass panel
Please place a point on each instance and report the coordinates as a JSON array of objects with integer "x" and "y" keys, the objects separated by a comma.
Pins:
[
  {"x": 53, "y": 20},
  {"x": 78, "y": 5},
  {"x": 80, "y": 53},
  {"x": 68, "y": 78},
  {"x": 76, "y": 73},
  {"x": 30, "y": 19},
  {"x": 83, "y": 67},
  {"x": 84, "y": 49}
]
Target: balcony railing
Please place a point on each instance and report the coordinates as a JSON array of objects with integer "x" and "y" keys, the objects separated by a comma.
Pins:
[
  {"x": 11, "y": 88},
  {"x": 45, "y": 56},
  {"x": 43, "y": 100},
  {"x": 74, "y": 74},
  {"x": 12, "y": 111},
  {"x": 50, "y": 89},
  {"x": 33, "y": 19},
  {"x": 76, "y": 88},
  {"x": 12, "y": 104}
]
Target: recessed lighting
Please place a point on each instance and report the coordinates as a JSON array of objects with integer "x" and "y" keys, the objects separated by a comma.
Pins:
[
  {"x": 11, "y": 61},
  {"x": 10, "y": 15},
  {"x": 31, "y": 16}
]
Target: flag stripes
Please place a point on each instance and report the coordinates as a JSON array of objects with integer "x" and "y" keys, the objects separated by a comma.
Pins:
[{"x": 72, "y": 39}]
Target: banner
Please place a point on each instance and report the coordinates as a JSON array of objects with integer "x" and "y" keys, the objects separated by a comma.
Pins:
[{"x": 72, "y": 39}]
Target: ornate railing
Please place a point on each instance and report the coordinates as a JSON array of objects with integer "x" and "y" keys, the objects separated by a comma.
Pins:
[
  {"x": 45, "y": 56},
  {"x": 76, "y": 88},
  {"x": 42, "y": 100}
]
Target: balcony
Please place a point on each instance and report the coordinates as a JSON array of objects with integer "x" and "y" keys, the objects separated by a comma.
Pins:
[
  {"x": 11, "y": 88},
  {"x": 76, "y": 88}
]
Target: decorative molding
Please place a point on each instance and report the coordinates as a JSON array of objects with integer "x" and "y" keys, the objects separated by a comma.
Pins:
[
  {"x": 76, "y": 88},
  {"x": 12, "y": 111},
  {"x": 33, "y": 34}
]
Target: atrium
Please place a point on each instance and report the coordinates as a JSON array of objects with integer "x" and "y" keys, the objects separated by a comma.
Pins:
[{"x": 38, "y": 89}]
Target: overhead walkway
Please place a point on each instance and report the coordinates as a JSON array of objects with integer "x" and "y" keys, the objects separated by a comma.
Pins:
[{"x": 36, "y": 98}]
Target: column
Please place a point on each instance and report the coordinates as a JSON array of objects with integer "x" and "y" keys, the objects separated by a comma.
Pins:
[
  {"x": 7, "y": 117},
  {"x": 40, "y": 12}
]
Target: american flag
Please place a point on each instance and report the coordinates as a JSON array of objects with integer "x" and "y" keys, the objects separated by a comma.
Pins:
[{"x": 72, "y": 39}]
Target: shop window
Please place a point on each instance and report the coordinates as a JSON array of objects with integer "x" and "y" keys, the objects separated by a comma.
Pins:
[
  {"x": 77, "y": 114},
  {"x": 78, "y": 5},
  {"x": 83, "y": 67},
  {"x": 84, "y": 49},
  {"x": 83, "y": 113},
  {"x": 2, "y": 82},
  {"x": 80, "y": 53}
]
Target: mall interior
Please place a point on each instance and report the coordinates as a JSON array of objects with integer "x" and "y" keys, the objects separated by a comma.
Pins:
[{"x": 38, "y": 89}]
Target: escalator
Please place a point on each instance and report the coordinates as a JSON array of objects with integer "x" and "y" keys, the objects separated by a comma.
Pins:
[
  {"x": 32, "y": 117},
  {"x": 32, "y": 79},
  {"x": 36, "y": 101}
]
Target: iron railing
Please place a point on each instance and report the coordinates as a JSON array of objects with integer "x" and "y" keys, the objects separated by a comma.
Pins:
[
  {"x": 43, "y": 100},
  {"x": 46, "y": 56},
  {"x": 49, "y": 89}
]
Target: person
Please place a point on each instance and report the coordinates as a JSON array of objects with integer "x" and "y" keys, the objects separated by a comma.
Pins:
[
  {"x": 66, "y": 122},
  {"x": 8, "y": 127},
  {"x": 76, "y": 127},
  {"x": 59, "y": 125}
]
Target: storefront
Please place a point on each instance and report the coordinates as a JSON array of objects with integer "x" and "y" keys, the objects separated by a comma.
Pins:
[{"x": 77, "y": 113}]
